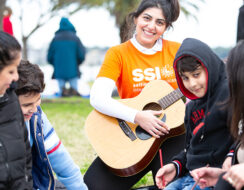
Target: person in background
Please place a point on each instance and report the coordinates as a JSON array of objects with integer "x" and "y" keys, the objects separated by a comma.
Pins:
[
  {"x": 130, "y": 66},
  {"x": 201, "y": 77},
  {"x": 66, "y": 53},
  {"x": 232, "y": 177},
  {"x": 48, "y": 153},
  {"x": 15, "y": 152},
  {"x": 240, "y": 24},
  {"x": 7, "y": 24}
]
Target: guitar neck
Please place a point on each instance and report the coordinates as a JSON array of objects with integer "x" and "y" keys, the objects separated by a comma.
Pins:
[{"x": 171, "y": 98}]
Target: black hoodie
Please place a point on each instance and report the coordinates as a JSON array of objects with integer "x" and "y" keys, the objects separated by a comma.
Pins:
[{"x": 208, "y": 139}]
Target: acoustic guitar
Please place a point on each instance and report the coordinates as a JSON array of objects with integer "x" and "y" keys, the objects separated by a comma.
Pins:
[{"x": 125, "y": 147}]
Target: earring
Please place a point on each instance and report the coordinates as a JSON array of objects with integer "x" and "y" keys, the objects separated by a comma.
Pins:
[{"x": 240, "y": 127}]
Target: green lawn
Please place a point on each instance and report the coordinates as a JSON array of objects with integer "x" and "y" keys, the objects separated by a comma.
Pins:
[{"x": 68, "y": 116}]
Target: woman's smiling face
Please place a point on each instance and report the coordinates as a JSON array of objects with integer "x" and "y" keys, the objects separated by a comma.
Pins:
[
  {"x": 9, "y": 74},
  {"x": 150, "y": 26}
]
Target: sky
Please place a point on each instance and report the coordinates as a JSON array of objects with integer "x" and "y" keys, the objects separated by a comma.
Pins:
[{"x": 216, "y": 25}]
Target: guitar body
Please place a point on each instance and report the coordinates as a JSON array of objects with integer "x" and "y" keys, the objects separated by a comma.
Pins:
[{"x": 122, "y": 155}]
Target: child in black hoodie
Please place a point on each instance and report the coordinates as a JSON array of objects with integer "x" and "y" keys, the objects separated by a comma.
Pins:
[
  {"x": 231, "y": 177},
  {"x": 201, "y": 77}
]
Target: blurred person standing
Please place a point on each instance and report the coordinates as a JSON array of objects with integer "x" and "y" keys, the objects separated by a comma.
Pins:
[
  {"x": 66, "y": 52},
  {"x": 240, "y": 24},
  {"x": 7, "y": 24}
]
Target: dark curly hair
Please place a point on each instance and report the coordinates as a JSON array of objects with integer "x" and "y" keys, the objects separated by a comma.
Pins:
[{"x": 31, "y": 79}]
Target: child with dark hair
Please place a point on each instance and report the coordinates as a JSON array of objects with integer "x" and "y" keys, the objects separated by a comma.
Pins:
[
  {"x": 201, "y": 77},
  {"x": 234, "y": 176},
  {"x": 48, "y": 153},
  {"x": 15, "y": 152}
]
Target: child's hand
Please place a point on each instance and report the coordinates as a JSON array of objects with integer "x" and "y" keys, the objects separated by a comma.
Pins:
[
  {"x": 227, "y": 163},
  {"x": 235, "y": 176},
  {"x": 206, "y": 176},
  {"x": 165, "y": 175}
]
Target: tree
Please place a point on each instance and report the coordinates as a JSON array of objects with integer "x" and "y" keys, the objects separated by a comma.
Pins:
[
  {"x": 120, "y": 9},
  {"x": 47, "y": 10},
  {"x": 50, "y": 8}
]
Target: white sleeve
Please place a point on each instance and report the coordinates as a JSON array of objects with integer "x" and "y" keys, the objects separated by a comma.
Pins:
[{"x": 101, "y": 99}]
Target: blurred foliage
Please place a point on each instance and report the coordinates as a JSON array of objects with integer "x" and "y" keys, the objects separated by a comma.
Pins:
[
  {"x": 187, "y": 6},
  {"x": 120, "y": 9},
  {"x": 222, "y": 52},
  {"x": 117, "y": 8}
]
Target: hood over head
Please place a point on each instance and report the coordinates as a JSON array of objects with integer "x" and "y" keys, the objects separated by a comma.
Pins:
[
  {"x": 209, "y": 60},
  {"x": 66, "y": 25}
]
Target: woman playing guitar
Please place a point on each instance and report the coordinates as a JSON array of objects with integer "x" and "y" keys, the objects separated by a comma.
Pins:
[{"x": 130, "y": 66}]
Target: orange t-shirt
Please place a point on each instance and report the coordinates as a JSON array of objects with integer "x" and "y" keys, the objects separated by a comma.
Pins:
[{"x": 132, "y": 70}]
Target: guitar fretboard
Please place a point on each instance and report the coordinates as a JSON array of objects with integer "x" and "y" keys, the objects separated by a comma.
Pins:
[{"x": 171, "y": 98}]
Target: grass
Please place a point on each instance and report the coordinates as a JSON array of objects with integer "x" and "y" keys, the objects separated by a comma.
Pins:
[{"x": 68, "y": 116}]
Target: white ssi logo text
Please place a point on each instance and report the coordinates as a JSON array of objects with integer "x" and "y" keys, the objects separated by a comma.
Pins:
[{"x": 148, "y": 74}]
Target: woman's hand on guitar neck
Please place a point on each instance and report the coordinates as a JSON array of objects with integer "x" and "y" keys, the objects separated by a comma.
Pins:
[{"x": 149, "y": 122}]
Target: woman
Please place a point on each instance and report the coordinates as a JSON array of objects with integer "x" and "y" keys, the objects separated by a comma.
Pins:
[
  {"x": 131, "y": 65},
  {"x": 15, "y": 152},
  {"x": 234, "y": 176}
]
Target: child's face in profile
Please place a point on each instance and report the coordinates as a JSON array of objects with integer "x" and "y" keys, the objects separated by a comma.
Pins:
[
  {"x": 29, "y": 103},
  {"x": 196, "y": 81},
  {"x": 9, "y": 74}
]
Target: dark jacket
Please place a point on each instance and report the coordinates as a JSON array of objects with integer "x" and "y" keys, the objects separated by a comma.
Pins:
[
  {"x": 240, "y": 24},
  {"x": 66, "y": 52},
  {"x": 207, "y": 139},
  {"x": 15, "y": 152}
]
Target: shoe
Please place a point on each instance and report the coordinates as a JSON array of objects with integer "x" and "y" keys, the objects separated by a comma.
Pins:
[
  {"x": 73, "y": 92},
  {"x": 65, "y": 92}
]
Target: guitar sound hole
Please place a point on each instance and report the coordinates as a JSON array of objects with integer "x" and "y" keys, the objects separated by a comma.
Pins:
[
  {"x": 142, "y": 134},
  {"x": 152, "y": 106}
]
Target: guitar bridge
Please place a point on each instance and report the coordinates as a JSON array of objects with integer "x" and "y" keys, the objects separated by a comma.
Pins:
[{"x": 126, "y": 129}]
